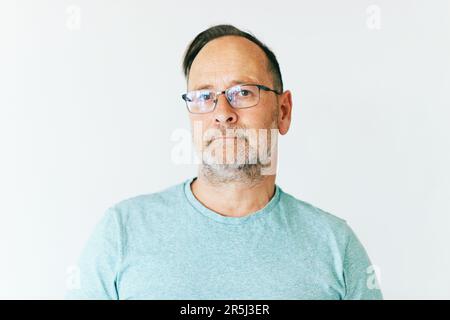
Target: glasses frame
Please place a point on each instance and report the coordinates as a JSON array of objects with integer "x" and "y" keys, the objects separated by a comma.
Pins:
[{"x": 225, "y": 92}]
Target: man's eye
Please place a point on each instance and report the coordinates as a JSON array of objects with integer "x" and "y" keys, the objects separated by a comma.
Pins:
[
  {"x": 244, "y": 93},
  {"x": 205, "y": 96}
]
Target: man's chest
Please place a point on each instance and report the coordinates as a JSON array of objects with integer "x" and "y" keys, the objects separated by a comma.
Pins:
[{"x": 195, "y": 269}]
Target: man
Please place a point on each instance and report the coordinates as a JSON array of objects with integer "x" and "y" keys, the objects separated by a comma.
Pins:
[{"x": 230, "y": 232}]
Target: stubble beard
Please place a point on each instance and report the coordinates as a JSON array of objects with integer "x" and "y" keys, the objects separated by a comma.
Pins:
[{"x": 248, "y": 173}]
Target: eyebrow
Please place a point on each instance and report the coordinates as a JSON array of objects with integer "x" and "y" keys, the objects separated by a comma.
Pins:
[{"x": 231, "y": 84}]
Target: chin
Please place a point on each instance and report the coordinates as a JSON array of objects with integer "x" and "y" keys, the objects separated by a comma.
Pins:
[{"x": 210, "y": 158}]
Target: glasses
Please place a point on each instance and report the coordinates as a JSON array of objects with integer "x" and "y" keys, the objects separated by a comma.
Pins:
[{"x": 239, "y": 97}]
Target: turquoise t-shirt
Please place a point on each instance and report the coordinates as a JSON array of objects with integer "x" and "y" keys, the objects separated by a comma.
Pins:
[{"x": 167, "y": 245}]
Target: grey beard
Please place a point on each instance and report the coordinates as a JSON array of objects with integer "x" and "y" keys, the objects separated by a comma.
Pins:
[
  {"x": 247, "y": 173},
  {"x": 217, "y": 174}
]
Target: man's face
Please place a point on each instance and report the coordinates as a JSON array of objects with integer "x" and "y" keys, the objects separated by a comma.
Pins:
[{"x": 222, "y": 63}]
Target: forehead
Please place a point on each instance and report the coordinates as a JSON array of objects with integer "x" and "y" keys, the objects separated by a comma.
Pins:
[{"x": 226, "y": 61}]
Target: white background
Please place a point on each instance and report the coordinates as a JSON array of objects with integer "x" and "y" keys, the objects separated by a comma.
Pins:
[{"x": 88, "y": 108}]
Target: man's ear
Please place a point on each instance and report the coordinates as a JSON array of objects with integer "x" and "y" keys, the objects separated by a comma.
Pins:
[{"x": 285, "y": 112}]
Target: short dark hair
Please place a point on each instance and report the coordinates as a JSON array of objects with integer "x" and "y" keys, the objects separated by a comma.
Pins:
[{"x": 228, "y": 30}]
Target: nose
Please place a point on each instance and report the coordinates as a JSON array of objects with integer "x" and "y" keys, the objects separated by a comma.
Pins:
[{"x": 224, "y": 112}]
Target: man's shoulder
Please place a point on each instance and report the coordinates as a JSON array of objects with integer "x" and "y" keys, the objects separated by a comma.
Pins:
[
  {"x": 311, "y": 215},
  {"x": 149, "y": 202}
]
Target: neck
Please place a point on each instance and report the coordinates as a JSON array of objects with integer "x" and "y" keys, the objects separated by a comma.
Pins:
[{"x": 234, "y": 199}]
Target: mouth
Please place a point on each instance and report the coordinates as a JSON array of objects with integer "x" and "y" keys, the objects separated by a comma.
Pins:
[{"x": 222, "y": 139}]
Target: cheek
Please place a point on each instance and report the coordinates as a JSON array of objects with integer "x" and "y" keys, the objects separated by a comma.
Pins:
[
  {"x": 202, "y": 126},
  {"x": 258, "y": 117},
  {"x": 197, "y": 128},
  {"x": 198, "y": 121}
]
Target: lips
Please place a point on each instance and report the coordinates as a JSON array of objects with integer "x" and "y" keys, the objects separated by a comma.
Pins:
[{"x": 224, "y": 138}]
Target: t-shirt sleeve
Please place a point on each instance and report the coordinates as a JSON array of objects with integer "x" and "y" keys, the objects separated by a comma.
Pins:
[
  {"x": 361, "y": 281},
  {"x": 98, "y": 264}
]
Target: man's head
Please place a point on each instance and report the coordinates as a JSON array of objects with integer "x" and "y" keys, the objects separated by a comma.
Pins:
[
  {"x": 217, "y": 59},
  {"x": 219, "y": 31}
]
